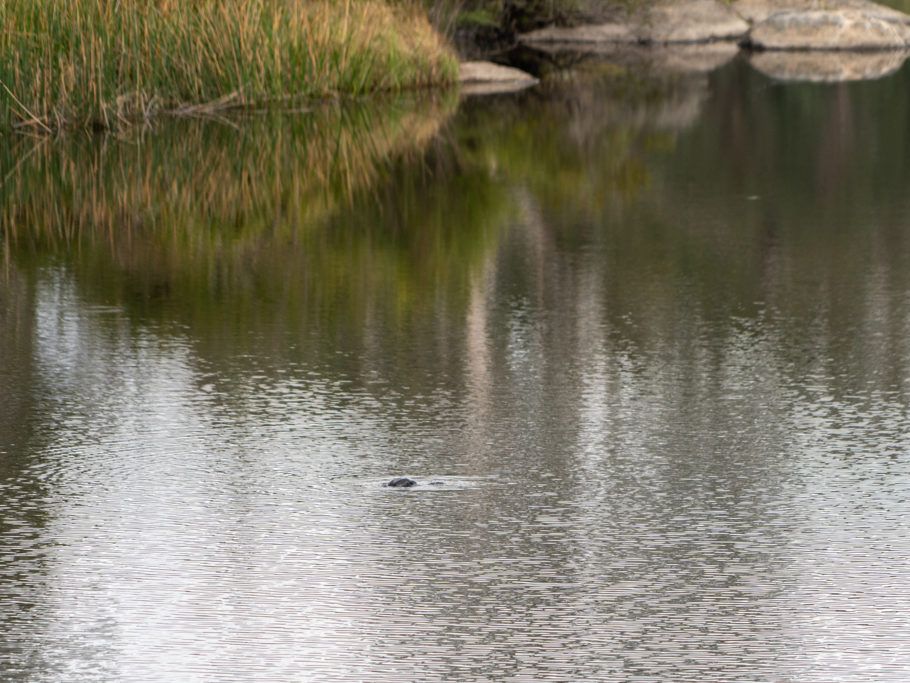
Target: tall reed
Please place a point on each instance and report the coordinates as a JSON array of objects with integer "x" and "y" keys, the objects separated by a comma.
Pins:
[{"x": 83, "y": 62}]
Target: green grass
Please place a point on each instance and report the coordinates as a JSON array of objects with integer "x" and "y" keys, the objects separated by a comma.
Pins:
[{"x": 80, "y": 63}]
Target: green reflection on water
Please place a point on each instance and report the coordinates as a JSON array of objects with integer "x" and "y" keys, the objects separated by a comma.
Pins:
[
  {"x": 307, "y": 218},
  {"x": 729, "y": 188}
]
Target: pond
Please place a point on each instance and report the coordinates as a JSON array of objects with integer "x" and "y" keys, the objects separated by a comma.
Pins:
[{"x": 650, "y": 331}]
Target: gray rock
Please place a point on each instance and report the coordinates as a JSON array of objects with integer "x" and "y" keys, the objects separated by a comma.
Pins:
[
  {"x": 655, "y": 59},
  {"x": 594, "y": 34},
  {"x": 692, "y": 21},
  {"x": 825, "y": 29},
  {"x": 481, "y": 78},
  {"x": 756, "y": 11},
  {"x": 827, "y": 67},
  {"x": 665, "y": 22}
]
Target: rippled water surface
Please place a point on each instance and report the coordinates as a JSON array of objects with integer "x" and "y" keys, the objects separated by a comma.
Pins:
[{"x": 651, "y": 331}]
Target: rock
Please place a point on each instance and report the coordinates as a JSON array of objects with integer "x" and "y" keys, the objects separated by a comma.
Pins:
[
  {"x": 653, "y": 59},
  {"x": 776, "y": 25},
  {"x": 853, "y": 26},
  {"x": 595, "y": 34},
  {"x": 666, "y": 22},
  {"x": 401, "y": 482},
  {"x": 756, "y": 11},
  {"x": 482, "y": 78},
  {"x": 827, "y": 67},
  {"x": 692, "y": 21}
]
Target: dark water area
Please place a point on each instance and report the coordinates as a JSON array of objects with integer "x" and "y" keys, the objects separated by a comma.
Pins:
[{"x": 651, "y": 330}]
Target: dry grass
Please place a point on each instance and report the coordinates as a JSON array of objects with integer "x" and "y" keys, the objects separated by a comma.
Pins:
[{"x": 74, "y": 63}]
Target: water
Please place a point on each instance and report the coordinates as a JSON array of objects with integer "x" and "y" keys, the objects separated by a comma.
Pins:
[{"x": 652, "y": 333}]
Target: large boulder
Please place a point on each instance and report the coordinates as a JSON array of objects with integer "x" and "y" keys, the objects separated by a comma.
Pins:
[
  {"x": 824, "y": 25},
  {"x": 665, "y": 22},
  {"x": 595, "y": 34},
  {"x": 775, "y": 25},
  {"x": 680, "y": 58},
  {"x": 756, "y": 11},
  {"x": 691, "y": 21},
  {"x": 846, "y": 29}
]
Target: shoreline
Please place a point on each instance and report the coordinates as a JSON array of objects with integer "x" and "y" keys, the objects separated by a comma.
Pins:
[
  {"x": 82, "y": 65},
  {"x": 788, "y": 40},
  {"x": 335, "y": 50}
]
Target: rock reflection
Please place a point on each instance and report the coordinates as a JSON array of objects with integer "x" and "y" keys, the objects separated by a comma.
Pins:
[{"x": 827, "y": 66}]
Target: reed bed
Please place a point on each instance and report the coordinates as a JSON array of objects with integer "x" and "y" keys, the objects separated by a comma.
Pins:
[{"x": 83, "y": 63}]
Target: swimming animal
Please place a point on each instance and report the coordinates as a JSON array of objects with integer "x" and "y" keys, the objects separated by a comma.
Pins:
[{"x": 401, "y": 482}]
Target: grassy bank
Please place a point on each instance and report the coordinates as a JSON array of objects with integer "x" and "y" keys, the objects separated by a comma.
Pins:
[{"x": 75, "y": 63}]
